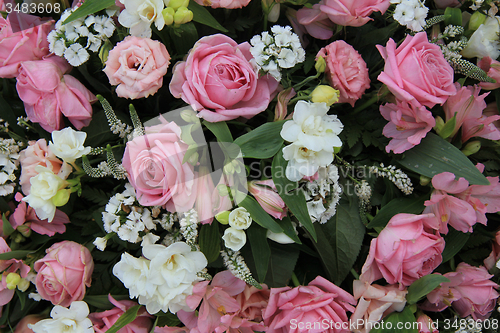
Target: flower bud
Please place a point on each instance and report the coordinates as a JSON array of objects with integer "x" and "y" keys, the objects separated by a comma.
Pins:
[
  {"x": 223, "y": 217},
  {"x": 61, "y": 198},
  {"x": 325, "y": 94},
  {"x": 176, "y": 4},
  {"x": 104, "y": 51},
  {"x": 183, "y": 15},
  {"x": 471, "y": 148},
  {"x": 476, "y": 20},
  {"x": 274, "y": 14},
  {"x": 189, "y": 116},
  {"x": 424, "y": 180},
  {"x": 25, "y": 229},
  {"x": 439, "y": 124},
  {"x": 320, "y": 64},
  {"x": 168, "y": 15},
  {"x": 23, "y": 285},
  {"x": 12, "y": 280}
]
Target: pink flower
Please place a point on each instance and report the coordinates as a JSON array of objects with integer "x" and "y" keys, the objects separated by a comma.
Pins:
[
  {"x": 426, "y": 324},
  {"x": 218, "y": 80},
  {"x": 48, "y": 94},
  {"x": 155, "y": 169},
  {"x": 346, "y": 71},
  {"x": 229, "y": 4},
  {"x": 102, "y": 321},
  {"x": 268, "y": 198},
  {"x": 22, "y": 325},
  {"x": 316, "y": 23},
  {"x": 416, "y": 71},
  {"x": 494, "y": 256},
  {"x": 404, "y": 251},
  {"x": 64, "y": 273},
  {"x": 441, "y": 297},
  {"x": 23, "y": 37},
  {"x": 137, "y": 65},
  {"x": 492, "y": 68},
  {"x": 6, "y": 267},
  {"x": 205, "y": 191},
  {"x": 353, "y": 13},
  {"x": 374, "y": 303},
  {"x": 319, "y": 300},
  {"x": 408, "y": 125}
]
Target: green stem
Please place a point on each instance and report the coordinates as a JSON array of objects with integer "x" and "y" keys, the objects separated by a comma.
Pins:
[
  {"x": 295, "y": 280},
  {"x": 355, "y": 274},
  {"x": 369, "y": 102},
  {"x": 299, "y": 98},
  {"x": 307, "y": 79}
]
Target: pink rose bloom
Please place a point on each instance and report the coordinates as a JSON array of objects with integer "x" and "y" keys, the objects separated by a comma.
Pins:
[
  {"x": 408, "y": 125},
  {"x": 22, "y": 325},
  {"x": 26, "y": 40},
  {"x": 265, "y": 193},
  {"x": 404, "y": 251},
  {"x": 48, "y": 94},
  {"x": 252, "y": 302},
  {"x": 492, "y": 68},
  {"x": 494, "y": 256},
  {"x": 426, "y": 324},
  {"x": 316, "y": 23},
  {"x": 353, "y": 13},
  {"x": 229, "y": 4},
  {"x": 64, "y": 273},
  {"x": 6, "y": 267},
  {"x": 102, "y": 321},
  {"x": 137, "y": 65},
  {"x": 319, "y": 300},
  {"x": 346, "y": 71},
  {"x": 155, "y": 169},
  {"x": 25, "y": 215},
  {"x": 374, "y": 303},
  {"x": 416, "y": 71},
  {"x": 218, "y": 80}
]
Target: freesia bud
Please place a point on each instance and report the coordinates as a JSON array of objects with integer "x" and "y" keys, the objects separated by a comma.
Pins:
[
  {"x": 183, "y": 15},
  {"x": 320, "y": 64},
  {"x": 223, "y": 217},
  {"x": 476, "y": 20},
  {"x": 61, "y": 198},
  {"x": 12, "y": 280},
  {"x": 176, "y": 4},
  {"x": 168, "y": 15}
]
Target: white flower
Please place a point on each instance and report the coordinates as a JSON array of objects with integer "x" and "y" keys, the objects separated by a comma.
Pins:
[
  {"x": 239, "y": 218},
  {"x": 304, "y": 162},
  {"x": 484, "y": 41},
  {"x": 76, "y": 55},
  {"x": 149, "y": 239},
  {"x": 134, "y": 274},
  {"x": 104, "y": 25},
  {"x": 234, "y": 239},
  {"x": 67, "y": 144},
  {"x": 411, "y": 13},
  {"x": 66, "y": 320},
  {"x": 100, "y": 243},
  {"x": 139, "y": 14}
]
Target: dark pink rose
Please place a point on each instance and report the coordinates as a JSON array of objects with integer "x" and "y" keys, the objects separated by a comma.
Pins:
[
  {"x": 346, "y": 71},
  {"x": 404, "y": 251},
  {"x": 353, "y": 13},
  {"x": 218, "y": 80},
  {"x": 25, "y": 42},
  {"x": 64, "y": 273},
  {"x": 48, "y": 94},
  {"x": 416, "y": 71}
]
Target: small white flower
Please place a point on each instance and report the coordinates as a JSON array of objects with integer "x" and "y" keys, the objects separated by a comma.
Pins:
[
  {"x": 234, "y": 239},
  {"x": 63, "y": 320},
  {"x": 134, "y": 274},
  {"x": 100, "y": 243},
  {"x": 484, "y": 42},
  {"x": 149, "y": 239},
  {"x": 138, "y": 15},
  {"x": 239, "y": 218},
  {"x": 304, "y": 162},
  {"x": 67, "y": 144},
  {"x": 59, "y": 47},
  {"x": 35, "y": 296},
  {"x": 76, "y": 55}
]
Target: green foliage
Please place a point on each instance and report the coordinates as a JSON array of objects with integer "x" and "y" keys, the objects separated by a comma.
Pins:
[
  {"x": 203, "y": 16},
  {"x": 95, "y": 195},
  {"x": 261, "y": 252},
  {"x": 406, "y": 318},
  {"x": 259, "y": 215},
  {"x": 209, "y": 240},
  {"x": 89, "y": 7},
  {"x": 281, "y": 265},
  {"x": 454, "y": 240},
  {"x": 420, "y": 288},
  {"x": 262, "y": 142}
]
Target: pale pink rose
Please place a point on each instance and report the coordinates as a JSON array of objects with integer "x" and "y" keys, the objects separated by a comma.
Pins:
[
  {"x": 319, "y": 300},
  {"x": 408, "y": 125},
  {"x": 265, "y": 193},
  {"x": 249, "y": 318},
  {"x": 22, "y": 325},
  {"x": 102, "y": 321},
  {"x": 137, "y": 65},
  {"x": 218, "y": 80},
  {"x": 23, "y": 37},
  {"x": 48, "y": 94},
  {"x": 155, "y": 169},
  {"x": 416, "y": 71},
  {"x": 6, "y": 267},
  {"x": 346, "y": 71},
  {"x": 492, "y": 68},
  {"x": 426, "y": 324},
  {"x": 229, "y": 4},
  {"x": 316, "y": 23},
  {"x": 494, "y": 256},
  {"x": 374, "y": 303},
  {"x": 404, "y": 251},
  {"x": 64, "y": 273},
  {"x": 37, "y": 153},
  {"x": 353, "y": 13}
]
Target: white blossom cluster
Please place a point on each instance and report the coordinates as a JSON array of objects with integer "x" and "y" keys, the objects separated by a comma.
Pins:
[
  {"x": 189, "y": 227},
  {"x": 398, "y": 177},
  {"x": 9, "y": 155},
  {"x": 74, "y": 40},
  {"x": 410, "y": 13},
  {"x": 364, "y": 193},
  {"x": 281, "y": 49},
  {"x": 476, "y": 4},
  {"x": 323, "y": 194},
  {"x": 236, "y": 265}
]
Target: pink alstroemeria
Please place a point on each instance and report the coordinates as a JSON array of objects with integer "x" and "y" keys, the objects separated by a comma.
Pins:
[
  {"x": 492, "y": 68},
  {"x": 7, "y": 267},
  {"x": 265, "y": 193},
  {"x": 316, "y": 22}
]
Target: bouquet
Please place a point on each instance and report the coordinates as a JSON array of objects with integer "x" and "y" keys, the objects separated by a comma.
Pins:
[{"x": 249, "y": 166}]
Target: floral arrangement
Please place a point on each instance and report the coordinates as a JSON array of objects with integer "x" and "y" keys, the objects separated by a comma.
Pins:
[{"x": 249, "y": 166}]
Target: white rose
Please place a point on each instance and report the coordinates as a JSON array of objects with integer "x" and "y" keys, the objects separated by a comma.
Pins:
[
  {"x": 239, "y": 218},
  {"x": 73, "y": 319},
  {"x": 67, "y": 144},
  {"x": 234, "y": 239},
  {"x": 484, "y": 41}
]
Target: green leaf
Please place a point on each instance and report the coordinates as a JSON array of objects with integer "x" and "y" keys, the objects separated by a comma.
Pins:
[
  {"x": 22, "y": 298},
  {"x": 219, "y": 129},
  {"x": 260, "y": 250},
  {"x": 183, "y": 36},
  {"x": 434, "y": 155},
  {"x": 448, "y": 128},
  {"x": 16, "y": 254},
  {"x": 7, "y": 227},
  {"x": 286, "y": 224},
  {"x": 259, "y": 215},
  {"x": 453, "y": 16},
  {"x": 420, "y": 288},
  {"x": 95, "y": 195},
  {"x": 126, "y": 318},
  {"x": 455, "y": 241},
  {"x": 8, "y": 115},
  {"x": 89, "y": 7},
  {"x": 209, "y": 241},
  {"x": 203, "y": 16},
  {"x": 262, "y": 142},
  {"x": 291, "y": 195},
  {"x": 167, "y": 319},
  {"x": 281, "y": 265},
  {"x": 396, "y": 206},
  {"x": 98, "y": 132},
  {"x": 398, "y": 322}
]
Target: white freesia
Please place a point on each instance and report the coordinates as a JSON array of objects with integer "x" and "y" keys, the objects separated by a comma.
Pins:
[
  {"x": 138, "y": 15},
  {"x": 484, "y": 42},
  {"x": 234, "y": 239},
  {"x": 67, "y": 144},
  {"x": 134, "y": 274},
  {"x": 304, "y": 162},
  {"x": 239, "y": 218},
  {"x": 66, "y": 320}
]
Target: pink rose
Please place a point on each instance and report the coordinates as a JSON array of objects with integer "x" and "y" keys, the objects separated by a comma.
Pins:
[
  {"x": 48, "y": 94},
  {"x": 318, "y": 301},
  {"x": 346, "y": 71},
  {"x": 353, "y": 13},
  {"x": 408, "y": 125},
  {"x": 492, "y": 68},
  {"x": 26, "y": 40},
  {"x": 22, "y": 325},
  {"x": 102, "y": 321},
  {"x": 64, "y": 273},
  {"x": 6, "y": 267},
  {"x": 404, "y": 251},
  {"x": 416, "y": 71},
  {"x": 316, "y": 23},
  {"x": 229, "y": 4},
  {"x": 155, "y": 169},
  {"x": 137, "y": 65},
  {"x": 218, "y": 80}
]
